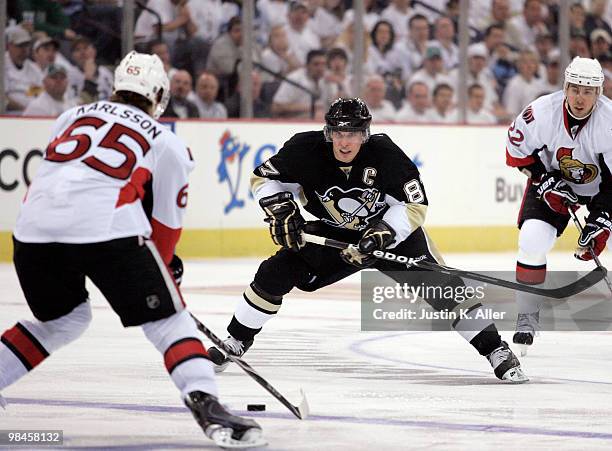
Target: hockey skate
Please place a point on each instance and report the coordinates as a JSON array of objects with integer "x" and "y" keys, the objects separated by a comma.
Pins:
[
  {"x": 526, "y": 326},
  {"x": 237, "y": 347},
  {"x": 506, "y": 366},
  {"x": 227, "y": 430}
]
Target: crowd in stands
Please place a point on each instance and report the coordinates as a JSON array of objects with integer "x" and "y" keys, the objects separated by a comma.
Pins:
[{"x": 61, "y": 53}]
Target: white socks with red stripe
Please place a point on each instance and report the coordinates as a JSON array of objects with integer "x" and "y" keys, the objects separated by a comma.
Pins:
[
  {"x": 28, "y": 343},
  {"x": 185, "y": 357}
]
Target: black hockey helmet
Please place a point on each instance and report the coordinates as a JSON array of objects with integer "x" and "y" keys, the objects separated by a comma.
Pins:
[{"x": 350, "y": 115}]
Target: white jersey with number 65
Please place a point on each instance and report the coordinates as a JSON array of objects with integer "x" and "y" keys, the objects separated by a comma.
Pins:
[{"x": 90, "y": 186}]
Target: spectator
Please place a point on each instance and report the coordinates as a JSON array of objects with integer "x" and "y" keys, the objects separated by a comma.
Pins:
[
  {"x": 161, "y": 49},
  {"x": 101, "y": 23},
  {"x": 416, "y": 105},
  {"x": 176, "y": 22},
  {"x": 551, "y": 81},
  {"x": 500, "y": 16},
  {"x": 442, "y": 111},
  {"x": 543, "y": 47},
  {"x": 432, "y": 72},
  {"x": 277, "y": 56},
  {"x": 336, "y": 78},
  {"x": 179, "y": 105},
  {"x": 272, "y": 13},
  {"x": 529, "y": 25},
  {"x": 596, "y": 17},
  {"x": 208, "y": 17},
  {"x": 290, "y": 101},
  {"x": 444, "y": 36},
  {"x": 503, "y": 67},
  {"x": 476, "y": 113},
  {"x": 479, "y": 73},
  {"x": 43, "y": 55},
  {"x": 227, "y": 50},
  {"x": 383, "y": 38},
  {"x": 260, "y": 107},
  {"x": 52, "y": 101},
  {"x": 431, "y": 16},
  {"x": 523, "y": 88},
  {"x": 600, "y": 42},
  {"x": 207, "y": 88},
  {"x": 21, "y": 79},
  {"x": 398, "y": 13},
  {"x": 48, "y": 17},
  {"x": 86, "y": 79},
  {"x": 577, "y": 18},
  {"x": 579, "y": 46},
  {"x": 370, "y": 18},
  {"x": 346, "y": 41},
  {"x": 327, "y": 21},
  {"x": 407, "y": 54},
  {"x": 178, "y": 30},
  {"x": 374, "y": 96},
  {"x": 494, "y": 36},
  {"x": 301, "y": 38}
]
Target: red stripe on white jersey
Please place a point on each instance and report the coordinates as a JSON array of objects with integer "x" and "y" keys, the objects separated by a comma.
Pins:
[
  {"x": 165, "y": 239},
  {"x": 134, "y": 189},
  {"x": 516, "y": 162}
]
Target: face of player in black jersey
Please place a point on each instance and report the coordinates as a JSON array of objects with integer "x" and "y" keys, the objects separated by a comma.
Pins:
[
  {"x": 346, "y": 145},
  {"x": 581, "y": 99}
]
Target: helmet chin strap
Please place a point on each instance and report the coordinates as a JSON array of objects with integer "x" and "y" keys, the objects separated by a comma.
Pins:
[{"x": 569, "y": 111}]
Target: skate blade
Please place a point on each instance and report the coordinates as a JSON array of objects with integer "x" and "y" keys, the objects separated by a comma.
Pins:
[
  {"x": 251, "y": 439},
  {"x": 3, "y": 402},
  {"x": 304, "y": 408},
  {"x": 515, "y": 376}
]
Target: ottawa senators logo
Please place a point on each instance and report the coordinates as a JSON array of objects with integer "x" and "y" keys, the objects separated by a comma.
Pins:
[
  {"x": 351, "y": 209},
  {"x": 575, "y": 170},
  {"x": 528, "y": 115}
]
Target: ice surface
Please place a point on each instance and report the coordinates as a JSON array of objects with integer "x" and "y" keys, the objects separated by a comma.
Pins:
[{"x": 367, "y": 391}]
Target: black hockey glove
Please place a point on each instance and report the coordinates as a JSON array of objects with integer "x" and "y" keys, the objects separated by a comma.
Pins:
[
  {"x": 176, "y": 269},
  {"x": 596, "y": 233},
  {"x": 285, "y": 221},
  {"x": 557, "y": 194},
  {"x": 376, "y": 238}
]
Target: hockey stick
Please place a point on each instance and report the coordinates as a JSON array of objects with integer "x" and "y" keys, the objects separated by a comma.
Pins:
[
  {"x": 300, "y": 411},
  {"x": 590, "y": 247},
  {"x": 573, "y": 288}
]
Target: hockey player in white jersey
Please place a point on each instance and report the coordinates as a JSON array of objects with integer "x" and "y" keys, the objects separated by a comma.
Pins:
[
  {"x": 83, "y": 216},
  {"x": 563, "y": 143}
]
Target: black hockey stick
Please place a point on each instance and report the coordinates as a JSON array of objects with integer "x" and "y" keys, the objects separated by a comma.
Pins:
[
  {"x": 576, "y": 287},
  {"x": 590, "y": 247},
  {"x": 300, "y": 411}
]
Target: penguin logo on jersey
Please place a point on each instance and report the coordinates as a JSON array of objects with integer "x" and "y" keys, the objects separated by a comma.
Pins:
[
  {"x": 575, "y": 170},
  {"x": 351, "y": 209}
]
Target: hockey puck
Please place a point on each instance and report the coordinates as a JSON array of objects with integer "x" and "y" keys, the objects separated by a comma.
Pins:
[{"x": 256, "y": 407}]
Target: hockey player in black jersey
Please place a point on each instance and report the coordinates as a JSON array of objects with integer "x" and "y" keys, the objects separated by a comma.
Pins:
[{"x": 363, "y": 189}]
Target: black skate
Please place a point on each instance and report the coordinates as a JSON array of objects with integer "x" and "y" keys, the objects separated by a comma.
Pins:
[
  {"x": 526, "y": 326},
  {"x": 237, "y": 347},
  {"x": 227, "y": 430},
  {"x": 506, "y": 366}
]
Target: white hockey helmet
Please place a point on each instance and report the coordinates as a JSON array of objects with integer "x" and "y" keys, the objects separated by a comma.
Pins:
[
  {"x": 584, "y": 72},
  {"x": 145, "y": 75}
]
